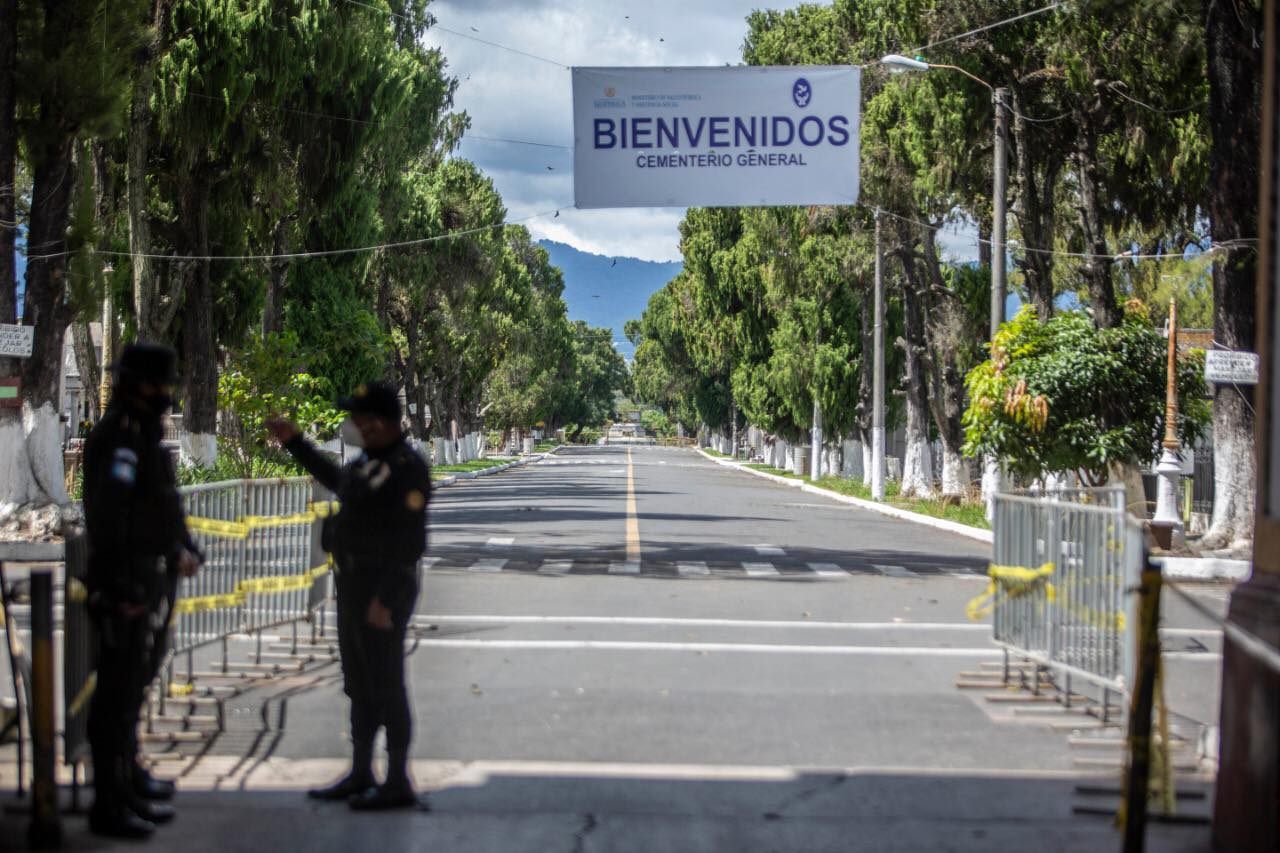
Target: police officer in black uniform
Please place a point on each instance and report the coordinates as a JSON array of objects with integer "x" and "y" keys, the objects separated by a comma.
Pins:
[
  {"x": 376, "y": 538},
  {"x": 138, "y": 547}
]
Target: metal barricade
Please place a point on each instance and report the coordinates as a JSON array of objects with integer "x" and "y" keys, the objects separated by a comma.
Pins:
[
  {"x": 257, "y": 536},
  {"x": 1063, "y": 574}
]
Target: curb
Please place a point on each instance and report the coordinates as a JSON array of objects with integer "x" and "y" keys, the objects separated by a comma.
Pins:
[
  {"x": 965, "y": 530},
  {"x": 1204, "y": 568},
  {"x": 496, "y": 469}
]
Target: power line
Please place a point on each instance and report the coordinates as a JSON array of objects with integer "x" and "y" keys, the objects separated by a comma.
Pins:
[
  {"x": 322, "y": 253},
  {"x": 1225, "y": 245},
  {"x": 442, "y": 28},
  {"x": 366, "y": 122},
  {"x": 983, "y": 29}
]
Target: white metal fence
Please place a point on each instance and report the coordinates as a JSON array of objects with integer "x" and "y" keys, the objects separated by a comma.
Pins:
[
  {"x": 264, "y": 564},
  {"x": 1066, "y": 564}
]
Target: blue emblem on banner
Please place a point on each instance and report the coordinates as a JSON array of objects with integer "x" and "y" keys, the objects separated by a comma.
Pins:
[{"x": 801, "y": 93}]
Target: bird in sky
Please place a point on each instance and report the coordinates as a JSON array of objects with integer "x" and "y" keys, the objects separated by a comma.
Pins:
[
  {"x": 557, "y": 216},
  {"x": 615, "y": 263},
  {"x": 474, "y": 30},
  {"x": 551, "y": 168}
]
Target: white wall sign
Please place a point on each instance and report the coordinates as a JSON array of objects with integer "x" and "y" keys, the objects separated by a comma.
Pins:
[
  {"x": 729, "y": 137},
  {"x": 16, "y": 341},
  {"x": 1227, "y": 367}
]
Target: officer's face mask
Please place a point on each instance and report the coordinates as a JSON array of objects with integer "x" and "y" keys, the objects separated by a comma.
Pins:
[{"x": 351, "y": 433}]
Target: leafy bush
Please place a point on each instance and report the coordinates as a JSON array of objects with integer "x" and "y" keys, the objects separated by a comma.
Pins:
[
  {"x": 266, "y": 378},
  {"x": 1063, "y": 395}
]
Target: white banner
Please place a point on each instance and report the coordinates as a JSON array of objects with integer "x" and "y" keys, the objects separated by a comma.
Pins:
[{"x": 715, "y": 137}]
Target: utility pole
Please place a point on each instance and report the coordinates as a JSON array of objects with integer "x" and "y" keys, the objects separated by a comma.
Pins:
[
  {"x": 877, "y": 378},
  {"x": 108, "y": 347},
  {"x": 992, "y": 476},
  {"x": 999, "y": 194},
  {"x": 1169, "y": 471}
]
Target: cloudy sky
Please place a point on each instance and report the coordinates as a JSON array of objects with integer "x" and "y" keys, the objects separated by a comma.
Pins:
[
  {"x": 509, "y": 96},
  {"x": 514, "y": 97}
]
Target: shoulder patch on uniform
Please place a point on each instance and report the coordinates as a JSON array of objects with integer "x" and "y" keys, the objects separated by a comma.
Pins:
[{"x": 124, "y": 466}]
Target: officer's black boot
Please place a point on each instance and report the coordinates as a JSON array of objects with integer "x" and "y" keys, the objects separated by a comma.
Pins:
[
  {"x": 111, "y": 815},
  {"x": 147, "y": 787},
  {"x": 359, "y": 780},
  {"x": 395, "y": 793}
]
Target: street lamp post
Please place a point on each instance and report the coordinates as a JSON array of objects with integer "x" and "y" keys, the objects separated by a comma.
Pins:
[{"x": 992, "y": 475}]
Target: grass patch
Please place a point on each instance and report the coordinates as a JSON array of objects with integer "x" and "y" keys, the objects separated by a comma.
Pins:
[
  {"x": 715, "y": 453},
  {"x": 971, "y": 514},
  {"x": 769, "y": 469},
  {"x": 473, "y": 465},
  {"x": 545, "y": 446}
]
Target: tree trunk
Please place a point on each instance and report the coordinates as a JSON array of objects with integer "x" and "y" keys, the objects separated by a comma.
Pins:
[
  {"x": 917, "y": 467},
  {"x": 945, "y": 334},
  {"x": 865, "y": 381},
  {"x": 146, "y": 289},
  {"x": 1037, "y": 177},
  {"x": 199, "y": 441},
  {"x": 1233, "y": 33},
  {"x": 31, "y": 471},
  {"x": 278, "y": 275},
  {"x": 8, "y": 178},
  {"x": 89, "y": 368},
  {"x": 1096, "y": 271}
]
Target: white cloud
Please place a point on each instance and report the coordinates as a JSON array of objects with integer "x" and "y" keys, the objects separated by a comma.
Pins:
[{"x": 517, "y": 97}]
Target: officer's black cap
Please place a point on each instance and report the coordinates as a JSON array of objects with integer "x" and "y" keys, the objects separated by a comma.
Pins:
[
  {"x": 148, "y": 362},
  {"x": 380, "y": 399}
]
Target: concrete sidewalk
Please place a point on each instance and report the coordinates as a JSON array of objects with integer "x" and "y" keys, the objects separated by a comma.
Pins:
[{"x": 505, "y": 808}]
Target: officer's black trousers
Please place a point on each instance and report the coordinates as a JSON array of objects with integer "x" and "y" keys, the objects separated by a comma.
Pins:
[
  {"x": 373, "y": 673},
  {"x": 124, "y": 670}
]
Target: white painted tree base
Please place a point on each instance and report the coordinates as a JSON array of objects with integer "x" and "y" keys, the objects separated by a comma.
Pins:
[
  {"x": 33, "y": 496},
  {"x": 917, "y": 470},
  {"x": 198, "y": 449}
]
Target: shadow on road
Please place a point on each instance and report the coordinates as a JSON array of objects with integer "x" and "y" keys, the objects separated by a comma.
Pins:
[{"x": 689, "y": 809}]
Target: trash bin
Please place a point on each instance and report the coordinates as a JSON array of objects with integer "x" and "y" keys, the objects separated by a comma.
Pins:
[
  {"x": 528, "y": 445},
  {"x": 800, "y": 460}
]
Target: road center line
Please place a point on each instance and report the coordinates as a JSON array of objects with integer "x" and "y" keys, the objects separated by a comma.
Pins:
[
  {"x": 633, "y": 521},
  {"x": 660, "y": 621},
  {"x": 753, "y": 648}
]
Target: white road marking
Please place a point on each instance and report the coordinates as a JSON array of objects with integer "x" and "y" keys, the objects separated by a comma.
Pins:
[
  {"x": 428, "y": 563},
  {"x": 556, "y": 567},
  {"x": 677, "y": 622},
  {"x": 500, "y": 542},
  {"x": 759, "y": 570},
  {"x": 492, "y": 564},
  {"x": 968, "y": 576},
  {"x": 692, "y": 568},
  {"x": 894, "y": 571},
  {"x": 828, "y": 570},
  {"x": 752, "y": 648},
  {"x": 630, "y": 567},
  {"x": 770, "y": 551}
]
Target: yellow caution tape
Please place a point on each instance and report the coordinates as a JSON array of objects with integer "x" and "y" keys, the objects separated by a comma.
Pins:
[
  {"x": 179, "y": 689},
  {"x": 242, "y": 527},
  {"x": 1011, "y": 581},
  {"x": 253, "y": 586},
  {"x": 324, "y": 509},
  {"x": 218, "y": 527},
  {"x": 86, "y": 691}
]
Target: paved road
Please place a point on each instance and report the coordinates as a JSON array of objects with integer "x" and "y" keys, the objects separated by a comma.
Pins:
[{"x": 643, "y": 650}]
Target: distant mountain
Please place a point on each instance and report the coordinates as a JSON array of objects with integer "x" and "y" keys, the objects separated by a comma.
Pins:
[{"x": 607, "y": 291}]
